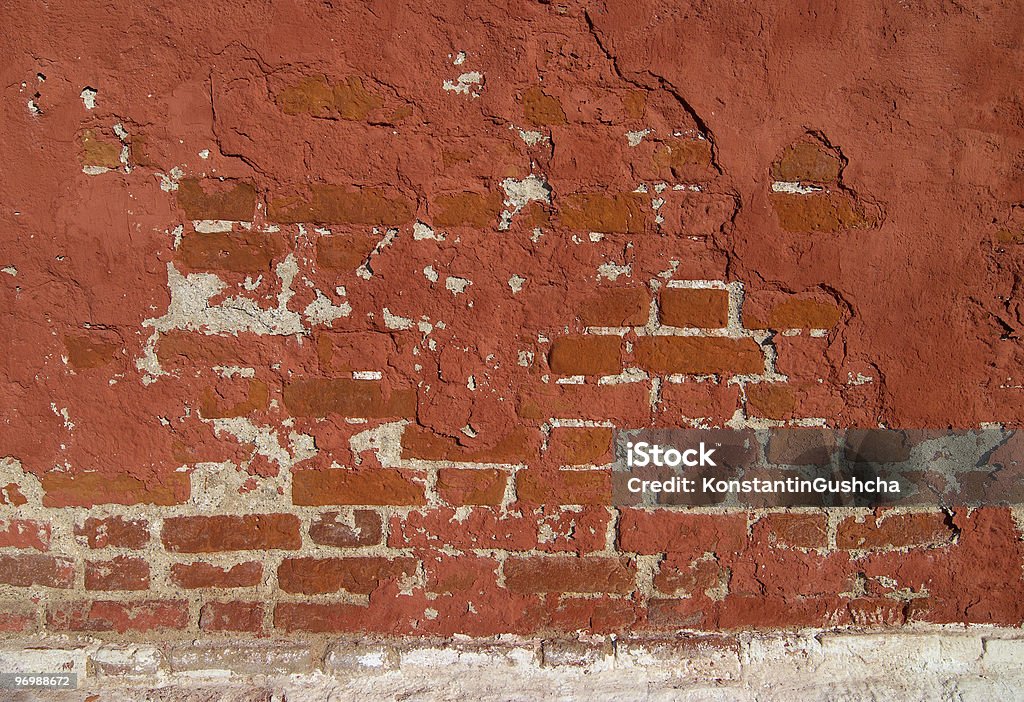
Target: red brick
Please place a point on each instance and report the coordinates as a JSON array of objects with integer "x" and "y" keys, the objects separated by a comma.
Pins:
[
  {"x": 336, "y": 529},
  {"x": 593, "y": 212},
  {"x": 318, "y": 576},
  {"x": 461, "y": 573},
  {"x": 699, "y": 355},
  {"x": 201, "y": 575},
  {"x": 685, "y": 578},
  {"x": 702, "y": 308},
  {"x": 770, "y": 310},
  {"x": 231, "y": 533},
  {"x": 481, "y": 528},
  {"x": 239, "y": 252},
  {"x": 586, "y": 355},
  {"x": 565, "y": 574},
  {"x": 792, "y": 400},
  {"x": 564, "y": 487},
  {"x": 216, "y": 199},
  {"x": 231, "y": 616},
  {"x": 518, "y": 446},
  {"x": 101, "y": 532},
  {"x": 30, "y": 569},
  {"x": 366, "y": 486},
  {"x": 321, "y": 397},
  {"x": 566, "y": 529},
  {"x": 119, "y": 573},
  {"x": 335, "y": 204},
  {"x": 344, "y": 252},
  {"x": 25, "y": 533},
  {"x": 625, "y": 404},
  {"x": 693, "y": 534},
  {"x": 795, "y": 529},
  {"x": 226, "y": 398},
  {"x": 802, "y": 357},
  {"x": 894, "y": 531},
  {"x": 617, "y": 307},
  {"x": 466, "y": 209},
  {"x": 715, "y": 401},
  {"x": 93, "y": 350},
  {"x": 480, "y": 486},
  {"x": 102, "y": 615},
  {"x": 90, "y": 489},
  {"x": 580, "y": 446},
  {"x": 17, "y": 618}
]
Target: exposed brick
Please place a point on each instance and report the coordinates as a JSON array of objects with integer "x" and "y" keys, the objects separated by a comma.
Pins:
[
  {"x": 890, "y": 530},
  {"x": 31, "y": 569},
  {"x": 825, "y": 212},
  {"x": 361, "y": 528},
  {"x": 716, "y": 401},
  {"x": 231, "y": 616},
  {"x": 466, "y": 209},
  {"x": 480, "y": 486},
  {"x": 243, "y": 251},
  {"x": 616, "y": 307},
  {"x": 682, "y": 578},
  {"x": 791, "y": 400},
  {"x": 541, "y": 109},
  {"x": 795, "y": 529},
  {"x": 684, "y": 159},
  {"x": 344, "y": 252},
  {"x": 314, "y": 96},
  {"x": 317, "y": 576},
  {"x": 565, "y": 574},
  {"x": 17, "y": 618},
  {"x": 101, "y": 532},
  {"x": 800, "y": 446},
  {"x": 368, "y": 486},
  {"x": 586, "y": 355},
  {"x": 564, "y": 487},
  {"x": 580, "y": 446},
  {"x": 100, "y": 150},
  {"x": 10, "y": 494},
  {"x": 25, "y": 533},
  {"x": 202, "y": 575},
  {"x": 321, "y": 397},
  {"x": 90, "y": 489},
  {"x": 102, "y": 615},
  {"x": 693, "y": 534},
  {"x": 806, "y": 162},
  {"x": 624, "y": 213},
  {"x": 219, "y": 402},
  {"x": 481, "y": 528},
  {"x": 231, "y": 533},
  {"x": 518, "y": 446},
  {"x": 335, "y": 204},
  {"x": 119, "y": 573},
  {"x": 781, "y": 311},
  {"x": 230, "y": 200},
  {"x": 699, "y": 355},
  {"x": 93, "y": 350},
  {"x": 702, "y": 308},
  {"x": 624, "y": 404}
]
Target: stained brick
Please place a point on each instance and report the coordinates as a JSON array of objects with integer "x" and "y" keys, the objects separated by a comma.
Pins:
[
  {"x": 231, "y": 616},
  {"x": 586, "y": 355},
  {"x": 480, "y": 486},
  {"x": 25, "y": 533},
  {"x": 231, "y": 533},
  {"x": 466, "y": 209},
  {"x": 244, "y": 251},
  {"x": 344, "y": 252},
  {"x": 320, "y": 397},
  {"x": 482, "y": 528},
  {"x": 694, "y": 534},
  {"x": 795, "y": 529},
  {"x": 103, "y": 615},
  {"x": 101, "y": 532},
  {"x": 824, "y": 212},
  {"x": 518, "y": 446},
  {"x": 806, "y": 162},
  {"x": 617, "y": 307},
  {"x": 362, "y": 528},
  {"x": 335, "y": 204},
  {"x": 781, "y": 311},
  {"x": 894, "y": 531},
  {"x": 591, "y": 212},
  {"x": 315, "y": 96},
  {"x": 230, "y": 200},
  {"x": 541, "y": 109},
  {"x": 317, "y": 576},
  {"x": 30, "y": 569},
  {"x": 564, "y": 574},
  {"x": 93, "y": 350},
  {"x": 579, "y": 446},
  {"x": 89, "y": 489},
  {"x": 564, "y": 487},
  {"x": 119, "y": 573},
  {"x": 206, "y": 575}
]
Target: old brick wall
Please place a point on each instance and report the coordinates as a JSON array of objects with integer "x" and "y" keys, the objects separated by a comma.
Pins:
[{"x": 318, "y": 317}]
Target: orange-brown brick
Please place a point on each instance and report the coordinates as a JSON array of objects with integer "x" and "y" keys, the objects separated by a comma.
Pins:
[
  {"x": 344, "y": 252},
  {"x": 564, "y": 487},
  {"x": 592, "y": 212},
  {"x": 335, "y": 204},
  {"x": 466, "y": 209},
  {"x": 92, "y": 350},
  {"x": 579, "y": 446},
  {"x": 769, "y": 310},
  {"x": 88, "y": 489},
  {"x": 559, "y": 574},
  {"x": 825, "y": 212},
  {"x": 201, "y": 575},
  {"x": 216, "y": 406},
  {"x": 518, "y": 446},
  {"x": 370, "y": 486},
  {"x": 231, "y": 533},
  {"x": 541, "y": 109},
  {"x": 119, "y": 573},
  {"x": 702, "y": 308},
  {"x": 806, "y": 161},
  {"x": 99, "y": 150},
  {"x": 320, "y": 397},
  {"x": 239, "y": 252},
  {"x": 616, "y": 307},
  {"x": 230, "y": 200},
  {"x": 894, "y": 531},
  {"x": 316, "y": 576},
  {"x": 347, "y": 99},
  {"x": 699, "y": 355},
  {"x": 480, "y": 486},
  {"x": 586, "y": 355}
]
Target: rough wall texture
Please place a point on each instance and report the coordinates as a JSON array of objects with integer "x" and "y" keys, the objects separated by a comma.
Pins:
[{"x": 318, "y": 316}]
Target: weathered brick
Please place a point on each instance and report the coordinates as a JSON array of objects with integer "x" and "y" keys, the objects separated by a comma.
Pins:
[
  {"x": 686, "y": 578},
  {"x": 795, "y": 529},
  {"x": 684, "y": 159},
  {"x": 586, "y": 355},
  {"x": 25, "y": 533},
  {"x": 564, "y": 487},
  {"x": 92, "y": 350},
  {"x": 699, "y": 355},
  {"x": 783, "y": 311},
  {"x": 716, "y": 401},
  {"x": 369, "y": 486},
  {"x": 90, "y": 489},
  {"x": 99, "y": 150},
  {"x": 702, "y": 308},
  {"x": 230, "y": 200},
  {"x": 335, "y": 204},
  {"x": 541, "y": 109},
  {"x": 518, "y": 446},
  {"x": 231, "y": 533},
  {"x": 483, "y": 527},
  {"x": 361, "y": 528},
  {"x": 579, "y": 446},
  {"x": 461, "y": 573},
  {"x": 624, "y": 404},
  {"x": 591, "y": 212},
  {"x": 101, "y": 532},
  {"x": 231, "y": 616},
  {"x": 466, "y": 209},
  {"x": 103, "y": 615},
  {"x": 825, "y": 212},
  {"x": 890, "y": 530},
  {"x": 480, "y": 486},
  {"x": 317, "y": 576},
  {"x": 616, "y": 307},
  {"x": 806, "y": 162},
  {"x": 321, "y": 397},
  {"x": 30, "y": 569},
  {"x": 565, "y": 574},
  {"x": 693, "y": 534},
  {"x": 205, "y": 575},
  {"x": 119, "y": 573},
  {"x": 315, "y": 96},
  {"x": 344, "y": 252},
  {"x": 244, "y": 251},
  {"x": 226, "y": 399}
]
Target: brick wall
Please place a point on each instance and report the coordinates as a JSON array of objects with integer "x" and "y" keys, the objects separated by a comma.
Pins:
[{"x": 321, "y": 320}]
